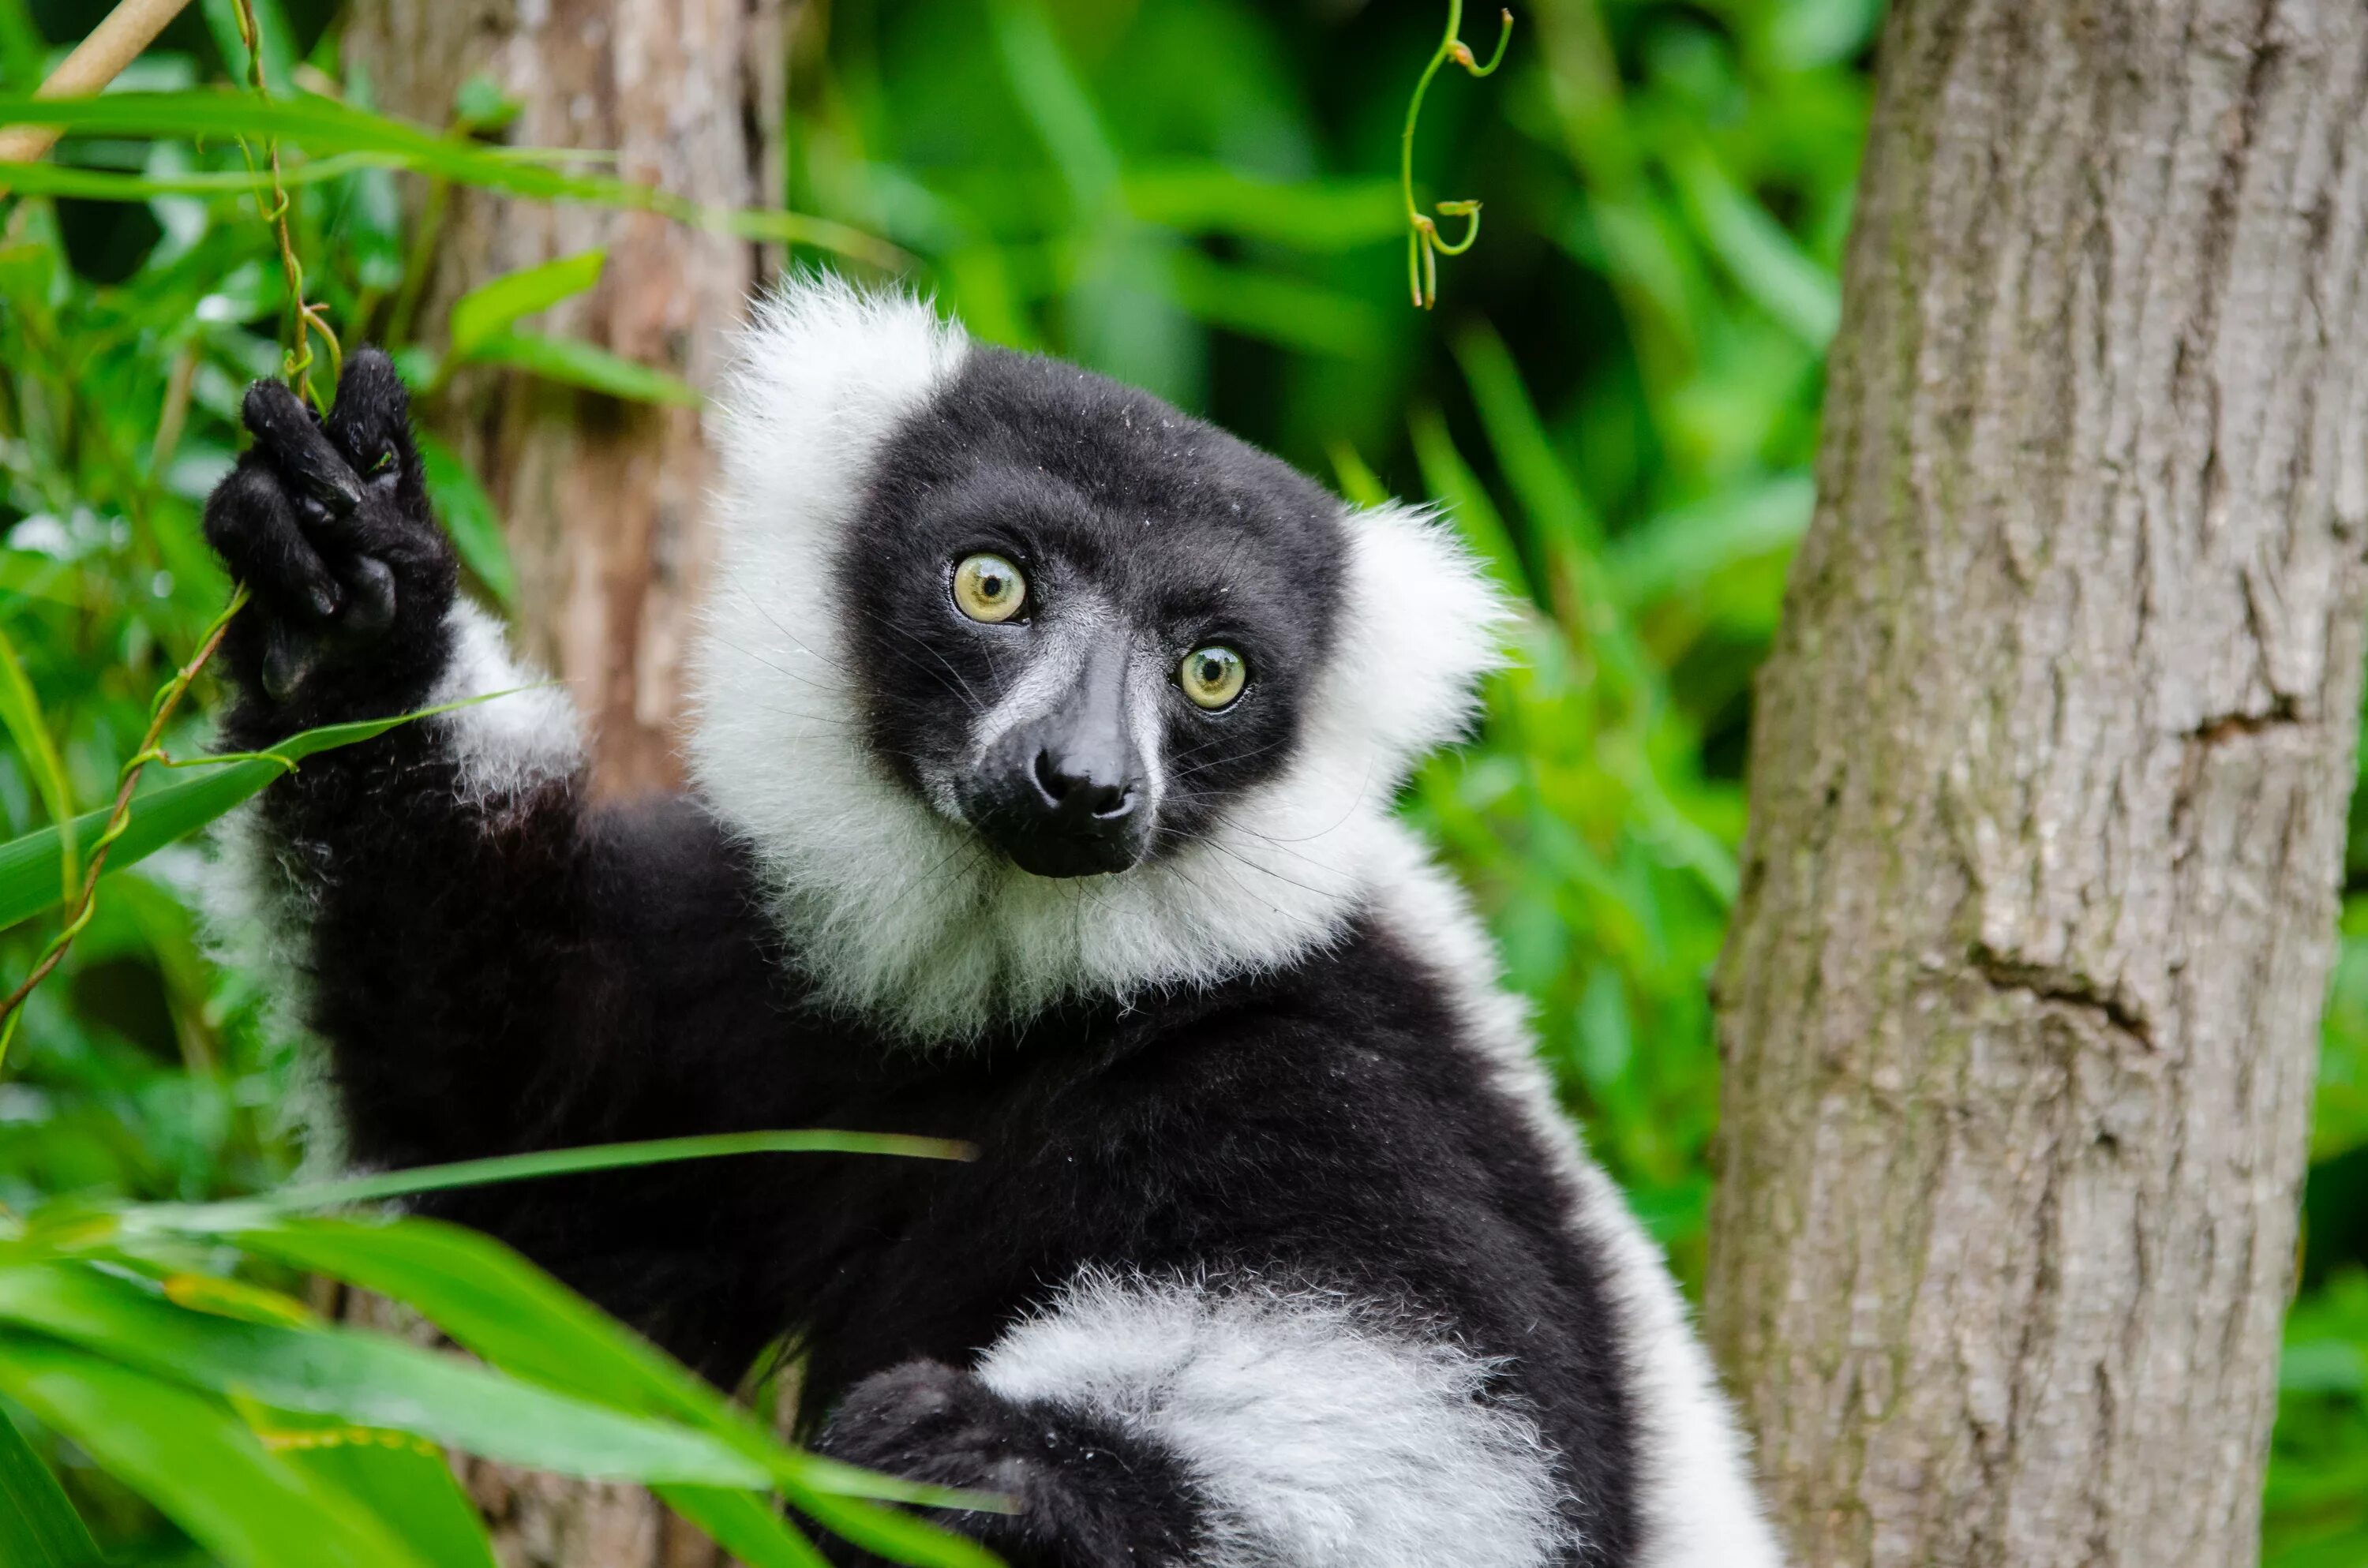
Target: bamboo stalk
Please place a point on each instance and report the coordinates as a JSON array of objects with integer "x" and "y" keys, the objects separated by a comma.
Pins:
[{"x": 96, "y": 60}]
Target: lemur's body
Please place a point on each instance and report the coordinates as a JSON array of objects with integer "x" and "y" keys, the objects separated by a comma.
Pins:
[{"x": 1276, "y": 1251}]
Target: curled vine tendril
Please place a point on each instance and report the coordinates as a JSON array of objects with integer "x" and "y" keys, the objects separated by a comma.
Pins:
[
  {"x": 1424, "y": 246},
  {"x": 307, "y": 318}
]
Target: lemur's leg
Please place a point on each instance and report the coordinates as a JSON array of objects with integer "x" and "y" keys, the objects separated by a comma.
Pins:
[{"x": 1143, "y": 1423}]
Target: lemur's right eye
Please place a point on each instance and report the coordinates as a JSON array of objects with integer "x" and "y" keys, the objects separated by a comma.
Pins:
[{"x": 989, "y": 588}]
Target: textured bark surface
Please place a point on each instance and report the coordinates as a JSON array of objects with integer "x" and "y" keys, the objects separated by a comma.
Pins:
[
  {"x": 603, "y": 501},
  {"x": 2049, "y": 780}
]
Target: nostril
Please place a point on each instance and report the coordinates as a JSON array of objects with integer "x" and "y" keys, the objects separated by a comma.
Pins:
[
  {"x": 1112, "y": 801},
  {"x": 1054, "y": 783}
]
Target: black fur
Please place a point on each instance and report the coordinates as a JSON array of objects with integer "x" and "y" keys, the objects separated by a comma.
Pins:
[
  {"x": 559, "y": 975},
  {"x": 1088, "y": 484}
]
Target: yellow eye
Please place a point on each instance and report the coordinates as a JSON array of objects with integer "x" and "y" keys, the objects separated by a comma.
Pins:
[
  {"x": 1213, "y": 676},
  {"x": 989, "y": 588}
]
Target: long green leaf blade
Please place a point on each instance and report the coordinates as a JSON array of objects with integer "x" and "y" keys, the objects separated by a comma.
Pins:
[
  {"x": 405, "y": 1479},
  {"x": 576, "y": 363},
  {"x": 30, "y": 865},
  {"x": 468, "y": 515},
  {"x": 363, "y": 1378},
  {"x": 323, "y": 126},
  {"x": 38, "y": 1529},
  {"x": 746, "y": 1526},
  {"x": 495, "y": 306},
  {"x": 196, "y": 1461},
  {"x": 20, "y": 710}
]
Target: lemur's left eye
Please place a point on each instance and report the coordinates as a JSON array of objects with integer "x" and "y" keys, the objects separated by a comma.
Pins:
[
  {"x": 385, "y": 463},
  {"x": 989, "y": 588},
  {"x": 1213, "y": 676}
]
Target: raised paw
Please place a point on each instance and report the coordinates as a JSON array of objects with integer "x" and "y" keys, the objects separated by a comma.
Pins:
[{"x": 327, "y": 523}]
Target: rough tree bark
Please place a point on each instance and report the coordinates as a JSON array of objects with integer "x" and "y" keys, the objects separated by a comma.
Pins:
[
  {"x": 602, "y": 501},
  {"x": 2049, "y": 780}
]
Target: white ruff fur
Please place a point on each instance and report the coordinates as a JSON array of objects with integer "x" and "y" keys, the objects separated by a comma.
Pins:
[
  {"x": 507, "y": 746},
  {"x": 1694, "y": 1493},
  {"x": 1322, "y": 1435},
  {"x": 898, "y": 911}
]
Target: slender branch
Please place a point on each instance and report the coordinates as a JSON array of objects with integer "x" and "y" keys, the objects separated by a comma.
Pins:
[
  {"x": 96, "y": 60},
  {"x": 306, "y": 317},
  {"x": 1424, "y": 247},
  {"x": 151, "y": 748}
]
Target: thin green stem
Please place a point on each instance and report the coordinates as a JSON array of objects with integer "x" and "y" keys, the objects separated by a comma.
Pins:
[
  {"x": 167, "y": 699},
  {"x": 1423, "y": 244}
]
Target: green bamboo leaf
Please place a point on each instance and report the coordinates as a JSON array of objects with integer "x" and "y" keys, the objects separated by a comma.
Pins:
[
  {"x": 495, "y": 306},
  {"x": 1518, "y": 436},
  {"x": 895, "y": 1535},
  {"x": 470, "y": 518},
  {"x": 403, "y": 1479},
  {"x": 580, "y": 364},
  {"x": 1312, "y": 215},
  {"x": 1452, "y": 483},
  {"x": 500, "y": 1307},
  {"x": 115, "y": 185},
  {"x": 38, "y": 1529},
  {"x": 197, "y": 1461},
  {"x": 323, "y": 127},
  {"x": 1275, "y": 307},
  {"x": 20, "y": 710},
  {"x": 29, "y": 866},
  {"x": 365, "y": 1379},
  {"x": 746, "y": 1526}
]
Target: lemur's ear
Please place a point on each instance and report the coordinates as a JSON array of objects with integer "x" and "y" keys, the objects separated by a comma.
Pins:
[
  {"x": 1420, "y": 625},
  {"x": 821, "y": 375}
]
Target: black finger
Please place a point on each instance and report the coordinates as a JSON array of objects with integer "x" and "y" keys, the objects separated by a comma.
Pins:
[
  {"x": 286, "y": 433},
  {"x": 253, "y": 527},
  {"x": 369, "y": 599},
  {"x": 372, "y": 423}
]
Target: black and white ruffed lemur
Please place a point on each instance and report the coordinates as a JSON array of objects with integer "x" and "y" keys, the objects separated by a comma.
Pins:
[{"x": 1046, "y": 746}]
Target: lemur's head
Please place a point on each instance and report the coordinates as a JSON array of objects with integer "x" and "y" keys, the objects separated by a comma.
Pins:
[{"x": 1024, "y": 686}]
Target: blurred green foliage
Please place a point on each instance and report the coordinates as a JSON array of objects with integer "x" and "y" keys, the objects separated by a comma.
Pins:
[{"x": 1616, "y": 397}]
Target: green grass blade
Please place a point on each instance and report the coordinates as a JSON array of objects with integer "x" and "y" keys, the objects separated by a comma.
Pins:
[
  {"x": 746, "y": 1526},
  {"x": 495, "y": 306},
  {"x": 29, "y": 866},
  {"x": 1451, "y": 482},
  {"x": 895, "y": 1535},
  {"x": 499, "y": 1306},
  {"x": 576, "y": 363},
  {"x": 469, "y": 516},
  {"x": 1519, "y": 437},
  {"x": 605, "y": 1158},
  {"x": 38, "y": 1529},
  {"x": 197, "y": 1461},
  {"x": 20, "y": 710},
  {"x": 323, "y": 127},
  {"x": 364, "y": 1379},
  {"x": 403, "y": 1479}
]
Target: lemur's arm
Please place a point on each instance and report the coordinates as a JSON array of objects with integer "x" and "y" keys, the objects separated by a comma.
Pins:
[{"x": 493, "y": 965}]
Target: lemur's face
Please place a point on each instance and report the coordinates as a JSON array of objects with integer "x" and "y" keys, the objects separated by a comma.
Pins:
[
  {"x": 1085, "y": 622},
  {"x": 1019, "y": 684}
]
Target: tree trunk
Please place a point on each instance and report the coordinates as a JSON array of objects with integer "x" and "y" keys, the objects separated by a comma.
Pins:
[
  {"x": 602, "y": 501},
  {"x": 2049, "y": 774}
]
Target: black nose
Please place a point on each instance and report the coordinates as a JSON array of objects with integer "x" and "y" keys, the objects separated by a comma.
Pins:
[{"x": 1081, "y": 795}]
